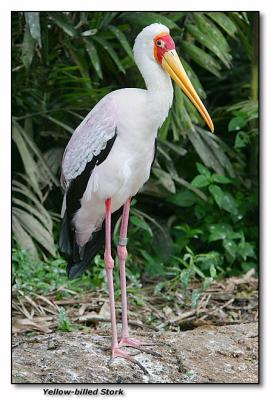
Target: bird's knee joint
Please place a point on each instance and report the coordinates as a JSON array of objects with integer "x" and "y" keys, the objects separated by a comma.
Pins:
[
  {"x": 122, "y": 252},
  {"x": 109, "y": 262}
]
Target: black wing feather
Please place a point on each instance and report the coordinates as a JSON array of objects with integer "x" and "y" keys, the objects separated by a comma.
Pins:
[
  {"x": 78, "y": 185},
  {"x": 68, "y": 246},
  {"x": 154, "y": 153},
  {"x": 75, "y": 269}
]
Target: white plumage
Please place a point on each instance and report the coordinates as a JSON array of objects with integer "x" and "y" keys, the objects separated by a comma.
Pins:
[{"x": 135, "y": 115}]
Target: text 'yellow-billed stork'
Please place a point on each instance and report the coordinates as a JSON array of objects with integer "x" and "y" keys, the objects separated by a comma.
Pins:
[{"x": 109, "y": 158}]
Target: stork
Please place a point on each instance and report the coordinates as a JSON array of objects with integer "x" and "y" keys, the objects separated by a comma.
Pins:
[{"x": 109, "y": 158}]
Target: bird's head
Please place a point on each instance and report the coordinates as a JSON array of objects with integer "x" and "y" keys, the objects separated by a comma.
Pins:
[{"x": 157, "y": 44}]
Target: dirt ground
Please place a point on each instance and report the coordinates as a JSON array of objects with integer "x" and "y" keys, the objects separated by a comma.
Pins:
[{"x": 213, "y": 354}]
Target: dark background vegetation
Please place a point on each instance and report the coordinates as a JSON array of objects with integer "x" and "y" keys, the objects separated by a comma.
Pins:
[{"x": 197, "y": 217}]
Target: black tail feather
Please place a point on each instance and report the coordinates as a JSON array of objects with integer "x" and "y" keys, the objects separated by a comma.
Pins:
[
  {"x": 66, "y": 237},
  {"x": 70, "y": 250}
]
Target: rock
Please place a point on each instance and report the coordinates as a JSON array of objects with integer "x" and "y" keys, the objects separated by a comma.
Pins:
[{"x": 226, "y": 354}]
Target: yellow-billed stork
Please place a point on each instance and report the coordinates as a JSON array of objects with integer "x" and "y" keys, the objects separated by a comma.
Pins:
[{"x": 109, "y": 158}]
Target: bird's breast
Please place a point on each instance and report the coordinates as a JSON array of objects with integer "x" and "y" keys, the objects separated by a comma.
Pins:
[{"x": 125, "y": 170}]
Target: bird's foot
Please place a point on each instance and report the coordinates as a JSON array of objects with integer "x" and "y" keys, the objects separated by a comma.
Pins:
[
  {"x": 139, "y": 345},
  {"x": 117, "y": 352},
  {"x": 131, "y": 342}
]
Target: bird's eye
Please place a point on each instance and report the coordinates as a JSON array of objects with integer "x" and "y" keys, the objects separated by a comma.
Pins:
[{"x": 159, "y": 43}]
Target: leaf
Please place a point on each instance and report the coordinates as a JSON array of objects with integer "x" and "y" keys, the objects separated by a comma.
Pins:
[
  {"x": 176, "y": 148},
  {"x": 209, "y": 44},
  {"x": 33, "y": 21},
  {"x": 236, "y": 123},
  {"x": 200, "y": 211},
  {"x": 64, "y": 323},
  {"x": 23, "y": 238},
  {"x": 243, "y": 15},
  {"x": 18, "y": 187},
  {"x": 176, "y": 16},
  {"x": 217, "y": 153},
  {"x": 184, "y": 121},
  {"x": 202, "y": 58},
  {"x": 203, "y": 170},
  {"x": 223, "y": 199},
  {"x": 205, "y": 152},
  {"x": 242, "y": 139},
  {"x": 200, "y": 181},
  {"x": 32, "y": 210},
  {"x": 81, "y": 62},
  {"x": 221, "y": 179},
  {"x": 195, "y": 298},
  {"x": 229, "y": 204},
  {"x": 107, "y": 18},
  {"x": 209, "y": 260},
  {"x": 206, "y": 283},
  {"x": 246, "y": 266},
  {"x": 27, "y": 158},
  {"x": 148, "y": 18},
  {"x": 141, "y": 223},
  {"x": 231, "y": 247},
  {"x": 36, "y": 230},
  {"x": 226, "y": 23},
  {"x": 165, "y": 179},
  {"x": 183, "y": 198},
  {"x": 122, "y": 39},
  {"x": 211, "y": 31},
  {"x": 60, "y": 123},
  {"x": 108, "y": 47},
  {"x": 94, "y": 58},
  {"x": 53, "y": 158},
  {"x": 246, "y": 250},
  {"x": 219, "y": 232},
  {"x": 162, "y": 242},
  {"x": 149, "y": 218},
  {"x": 212, "y": 271},
  {"x": 27, "y": 48},
  {"x": 249, "y": 107},
  {"x": 192, "y": 111},
  {"x": 61, "y": 20},
  {"x": 218, "y": 194},
  {"x": 37, "y": 152},
  {"x": 185, "y": 278},
  {"x": 198, "y": 271},
  {"x": 153, "y": 268}
]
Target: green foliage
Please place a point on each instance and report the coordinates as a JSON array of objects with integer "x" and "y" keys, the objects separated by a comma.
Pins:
[
  {"x": 64, "y": 324},
  {"x": 197, "y": 217},
  {"x": 244, "y": 122},
  {"x": 34, "y": 276},
  {"x": 221, "y": 223}
]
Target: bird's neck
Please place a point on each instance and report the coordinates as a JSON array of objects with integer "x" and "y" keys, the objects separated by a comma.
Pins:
[{"x": 159, "y": 90}]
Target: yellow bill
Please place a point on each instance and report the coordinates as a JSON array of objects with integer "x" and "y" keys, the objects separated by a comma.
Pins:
[{"x": 172, "y": 64}]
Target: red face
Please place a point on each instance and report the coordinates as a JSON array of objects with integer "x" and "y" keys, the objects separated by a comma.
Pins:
[{"x": 162, "y": 43}]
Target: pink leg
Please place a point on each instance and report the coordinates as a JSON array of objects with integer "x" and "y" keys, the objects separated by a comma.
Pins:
[
  {"x": 109, "y": 264},
  {"x": 122, "y": 254}
]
